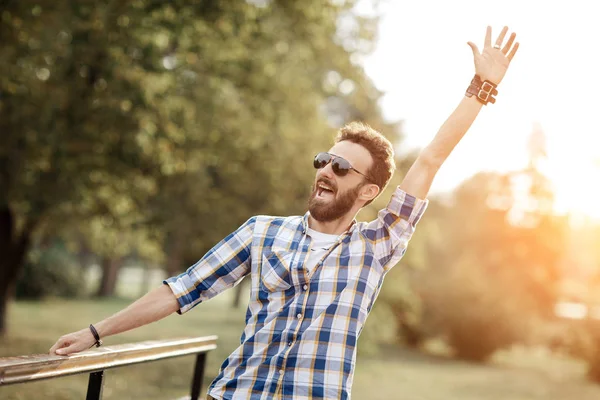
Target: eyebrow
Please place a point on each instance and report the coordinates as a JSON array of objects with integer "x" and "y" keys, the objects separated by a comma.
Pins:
[{"x": 351, "y": 163}]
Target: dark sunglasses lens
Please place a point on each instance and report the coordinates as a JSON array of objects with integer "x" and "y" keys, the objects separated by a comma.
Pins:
[
  {"x": 321, "y": 160},
  {"x": 340, "y": 167}
]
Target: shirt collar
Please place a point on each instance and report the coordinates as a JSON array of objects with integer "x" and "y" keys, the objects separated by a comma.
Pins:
[{"x": 305, "y": 224}]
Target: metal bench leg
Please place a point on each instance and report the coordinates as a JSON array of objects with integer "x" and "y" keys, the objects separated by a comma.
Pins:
[
  {"x": 198, "y": 376},
  {"x": 95, "y": 386}
]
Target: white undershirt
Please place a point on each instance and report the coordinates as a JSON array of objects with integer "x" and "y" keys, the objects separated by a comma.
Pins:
[{"x": 320, "y": 245}]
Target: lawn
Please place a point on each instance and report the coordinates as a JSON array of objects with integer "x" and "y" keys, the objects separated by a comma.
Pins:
[{"x": 393, "y": 374}]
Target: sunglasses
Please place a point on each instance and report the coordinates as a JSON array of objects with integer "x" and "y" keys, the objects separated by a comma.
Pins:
[{"x": 339, "y": 165}]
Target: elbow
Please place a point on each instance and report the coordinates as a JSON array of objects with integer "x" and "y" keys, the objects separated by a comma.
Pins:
[{"x": 430, "y": 162}]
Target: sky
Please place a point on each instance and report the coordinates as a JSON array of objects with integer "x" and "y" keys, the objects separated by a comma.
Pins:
[{"x": 423, "y": 64}]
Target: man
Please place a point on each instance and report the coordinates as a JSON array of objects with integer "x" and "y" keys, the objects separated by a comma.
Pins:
[{"x": 314, "y": 278}]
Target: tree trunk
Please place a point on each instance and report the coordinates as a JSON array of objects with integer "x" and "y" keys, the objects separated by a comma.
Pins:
[
  {"x": 12, "y": 255},
  {"x": 4, "y": 299},
  {"x": 110, "y": 273}
]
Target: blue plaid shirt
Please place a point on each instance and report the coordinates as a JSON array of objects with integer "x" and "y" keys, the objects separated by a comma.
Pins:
[{"x": 301, "y": 328}]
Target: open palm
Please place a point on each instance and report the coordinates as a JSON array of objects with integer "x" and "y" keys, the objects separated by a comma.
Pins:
[{"x": 491, "y": 64}]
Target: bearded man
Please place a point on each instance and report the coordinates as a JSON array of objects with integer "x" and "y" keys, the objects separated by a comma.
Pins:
[{"x": 314, "y": 278}]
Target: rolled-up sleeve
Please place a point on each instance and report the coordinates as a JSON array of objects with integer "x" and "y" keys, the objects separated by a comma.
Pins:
[
  {"x": 394, "y": 226},
  {"x": 220, "y": 269}
]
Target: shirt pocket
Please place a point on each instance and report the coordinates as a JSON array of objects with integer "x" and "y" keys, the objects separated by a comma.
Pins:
[{"x": 275, "y": 271}]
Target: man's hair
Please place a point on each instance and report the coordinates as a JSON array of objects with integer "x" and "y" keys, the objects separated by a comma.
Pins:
[{"x": 379, "y": 147}]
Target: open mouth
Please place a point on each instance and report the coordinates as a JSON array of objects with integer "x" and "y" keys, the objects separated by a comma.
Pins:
[{"x": 324, "y": 191}]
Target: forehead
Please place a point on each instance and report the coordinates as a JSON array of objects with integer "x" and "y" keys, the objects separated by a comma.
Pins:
[{"x": 357, "y": 155}]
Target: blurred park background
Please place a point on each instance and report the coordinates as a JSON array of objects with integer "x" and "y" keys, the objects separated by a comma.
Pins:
[{"x": 136, "y": 135}]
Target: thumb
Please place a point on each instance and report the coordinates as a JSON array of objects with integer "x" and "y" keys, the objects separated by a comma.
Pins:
[
  {"x": 67, "y": 350},
  {"x": 61, "y": 352},
  {"x": 473, "y": 47}
]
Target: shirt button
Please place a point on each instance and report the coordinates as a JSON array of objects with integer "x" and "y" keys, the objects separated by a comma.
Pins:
[
  {"x": 289, "y": 343},
  {"x": 305, "y": 287},
  {"x": 299, "y": 316}
]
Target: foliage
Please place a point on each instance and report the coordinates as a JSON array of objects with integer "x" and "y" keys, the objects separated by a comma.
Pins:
[
  {"x": 163, "y": 107},
  {"x": 155, "y": 128},
  {"x": 497, "y": 273},
  {"x": 50, "y": 272},
  {"x": 474, "y": 311},
  {"x": 482, "y": 268}
]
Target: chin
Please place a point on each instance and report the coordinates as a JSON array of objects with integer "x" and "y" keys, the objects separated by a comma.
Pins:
[{"x": 319, "y": 218}]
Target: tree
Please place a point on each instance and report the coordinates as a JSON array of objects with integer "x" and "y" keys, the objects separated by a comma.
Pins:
[
  {"x": 483, "y": 264},
  {"x": 147, "y": 125},
  {"x": 62, "y": 151}
]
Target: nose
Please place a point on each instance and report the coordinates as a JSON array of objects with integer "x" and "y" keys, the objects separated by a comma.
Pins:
[{"x": 326, "y": 172}]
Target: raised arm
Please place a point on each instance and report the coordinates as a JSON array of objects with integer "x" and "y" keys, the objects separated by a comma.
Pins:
[{"x": 490, "y": 65}]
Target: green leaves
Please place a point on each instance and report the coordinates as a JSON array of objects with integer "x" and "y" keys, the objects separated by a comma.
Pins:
[{"x": 127, "y": 123}]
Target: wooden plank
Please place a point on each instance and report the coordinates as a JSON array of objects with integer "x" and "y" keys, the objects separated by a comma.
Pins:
[{"x": 44, "y": 366}]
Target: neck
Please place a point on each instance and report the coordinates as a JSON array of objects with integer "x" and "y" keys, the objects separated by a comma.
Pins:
[{"x": 335, "y": 227}]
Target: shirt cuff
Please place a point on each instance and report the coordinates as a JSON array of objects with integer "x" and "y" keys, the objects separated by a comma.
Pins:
[
  {"x": 182, "y": 293},
  {"x": 407, "y": 206}
]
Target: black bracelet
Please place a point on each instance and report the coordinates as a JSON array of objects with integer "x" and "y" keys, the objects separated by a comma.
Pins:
[{"x": 96, "y": 336}]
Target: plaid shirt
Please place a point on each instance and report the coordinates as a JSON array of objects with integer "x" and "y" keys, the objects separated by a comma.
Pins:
[{"x": 301, "y": 328}]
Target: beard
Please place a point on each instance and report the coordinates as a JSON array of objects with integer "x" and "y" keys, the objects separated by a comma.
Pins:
[{"x": 327, "y": 211}]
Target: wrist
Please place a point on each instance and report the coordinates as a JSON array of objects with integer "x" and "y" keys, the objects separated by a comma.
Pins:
[
  {"x": 96, "y": 335},
  {"x": 473, "y": 100},
  {"x": 483, "y": 90},
  {"x": 101, "y": 329},
  {"x": 493, "y": 79}
]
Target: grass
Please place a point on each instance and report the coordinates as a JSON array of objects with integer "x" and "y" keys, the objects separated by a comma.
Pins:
[{"x": 393, "y": 374}]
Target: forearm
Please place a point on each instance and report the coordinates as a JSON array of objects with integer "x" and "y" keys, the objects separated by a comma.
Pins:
[
  {"x": 490, "y": 65},
  {"x": 420, "y": 176},
  {"x": 155, "y": 305},
  {"x": 452, "y": 131}
]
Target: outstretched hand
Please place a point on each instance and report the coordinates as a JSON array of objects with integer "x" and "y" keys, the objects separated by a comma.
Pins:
[{"x": 491, "y": 64}]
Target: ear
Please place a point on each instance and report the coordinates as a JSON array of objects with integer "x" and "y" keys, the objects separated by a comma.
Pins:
[{"x": 369, "y": 192}]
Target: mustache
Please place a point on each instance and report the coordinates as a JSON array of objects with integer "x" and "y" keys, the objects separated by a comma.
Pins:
[{"x": 327, "y": 182}]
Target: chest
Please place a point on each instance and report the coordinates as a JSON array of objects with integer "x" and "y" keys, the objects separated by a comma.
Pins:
[{"x": 346, "y": 272}]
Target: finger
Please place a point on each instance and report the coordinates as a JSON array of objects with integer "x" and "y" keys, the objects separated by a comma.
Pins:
[
  {"x": 501, "y": 36},
  {"x": 474, "y": 48},
  {"x": 58, "y": 344},
  {"x": 65, "y": 351},
  {"x": 511, "y": 39},
  {"x": 513, "y": 51},
  {"x": 488, "y": 37}
]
